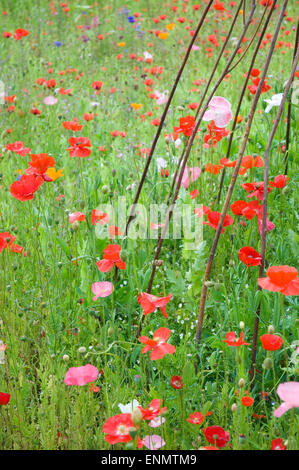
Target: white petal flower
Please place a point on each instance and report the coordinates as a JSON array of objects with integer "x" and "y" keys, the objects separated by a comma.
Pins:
[{"x": 129, "y": 407}]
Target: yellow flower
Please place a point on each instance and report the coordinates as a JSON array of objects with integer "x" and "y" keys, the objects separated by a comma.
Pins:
[
  {"x": 163, "y": 35},
  {"x": 241, "y": 12},
  {"x": 53, "y": 173},
  {"x": 170, "y": 26},
  {"x": 136, "y": 105},
  {"x": 121, "y": 44}
]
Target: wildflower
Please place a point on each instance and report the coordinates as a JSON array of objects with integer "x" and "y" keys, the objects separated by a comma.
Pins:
[
  {"x": 153, "y": 442},
  {"x": 271, "y": 342},
  {"x": 98, "y": 217},
  {"x": 111, "y": 258},
  {"x": 247, "y": 401},
  {"x": 102, "y": 289},
  {"x": 18, "y": 147},
  {"x": 39, "y": 164},
  {"x": 158, "y": 344},
  {"x": 282, "y": 279},
  {"x": 279, "y": 181},
  {"x": 289, "y": 394},
  {"x": 155, "y": 409},
  {"x": 216, "y": 435},
  {"x": 176, "y": 382},
  {"x": 117, "y": 428},
  {"x": 274, "y": 101},
  {"x": 81, "y": 375},
  {"x": 214, "y": 218},
  {"x": 219, "y": 111},
  {"x": 249, "y": 256},
  {"x": 277, "y": 444},
  {"x": 76, "y": 216},
  {"x": 79, "y": 147},
  {"x": 129, "y": 407},
  {"x": 193, "y": 173},
  {"x": 72, "y": 125},
  {"x": 149, "y": 303},
  {"x": 24, "y": 189},
  {"x": 231, "y": 339},
  {"x": 196, "y": 418},
  {"x": 4, "y": 398}
]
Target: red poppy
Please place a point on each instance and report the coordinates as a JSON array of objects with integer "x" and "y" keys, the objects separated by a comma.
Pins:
[
  {"x": 255, "y": 83},
  {"x": 231, "y": 339},
  {"x": 256, "y": 188},
  {"x": 250, "y": 162},
  {"x": 228, "y": 163},
  {"x": 282, "y": 279},
  {"x": 249, "y": 256},
  {"x": 247, "y": 401},
  {"x": 271, "y": 342},
  {"x": 158, "y": 344},
  {"x": 196, "y": 418},
  {"x": 214, "y": 218},
  {"x": 186, "y": 125},
  {"x": 24, "y": 189},
  {"x": 39, "y": 164},
  {"x": 76, "y": 216},
  {"x": 155, "y": 409},
  {"x": 216, "y": 435},
  {"x": 97, "y": 85},
  {"x": 238, "y": 206},
  {"x": 79, "y": 147},
  {"x": 72, "y": 125},
  {"x": 3, "y": 244},
  {"x": 176, "y": 382},
  {"x": 215, "y": 134},
  {"x": 277, "y": 444},
  {"x": 4, "y": 398},
  {"x": 149, "y": 303},
  {"x": 111, "y": 258},
  {"x": 279, "y": 181},
  {"x": 117, "y": 428},
  {"x": 114, "y": 231},
  {"x": 213, "y": 169},
  {"x": 18, "y": 147},
  {"x": 20, "y": 33},
  {"x": 201, "y": 211},
  {"x": 98, "y": 217}
]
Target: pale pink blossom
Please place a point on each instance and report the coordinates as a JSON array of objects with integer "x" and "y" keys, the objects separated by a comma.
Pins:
[
  {"x": 156, "y": 422},
  {"x": 50, "y": 100},
  {"x": 288, "y": 392},
  {"x": 81, "y": 375},
  {"x": 162, "y": 98},
  {"x": 193, "y": 173},
  {"x": 153, "y": 442},
  {"x": 219, "y": 111},
  {"x": 102, "y": 289},
  {"x": 76, "y": 216}
]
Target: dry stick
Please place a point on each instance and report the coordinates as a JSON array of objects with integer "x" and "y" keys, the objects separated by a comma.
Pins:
[
  {"x": 286, "y": 158},
  {"x": 171, "y": 208},
  {"x": 265, "y": 206},
  {"x": 220, "y": 55},
  {"x": 149, "y": 158},
  {"x": 243, "y": 94},
  {"x": 234, "y": 178}
]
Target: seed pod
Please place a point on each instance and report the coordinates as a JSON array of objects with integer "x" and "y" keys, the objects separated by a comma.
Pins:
[{"x": 268, "y": 363}]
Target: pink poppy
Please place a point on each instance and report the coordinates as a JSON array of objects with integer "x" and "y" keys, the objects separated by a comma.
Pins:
[
  {"x": 219, "y": 111},
  {"x": 156, "y": 422},
  {"x": 149, "y": 303},
  {"x": 288, "y": 392},
  {"x": 81, "y": 375},
  {"x": 153, "y": 442},
  {"x": 50, "y": 100},
  {"x": 193, "y": 173},
  {"x": 76, "y": 216},
  {"x": 102, "y": 289}
]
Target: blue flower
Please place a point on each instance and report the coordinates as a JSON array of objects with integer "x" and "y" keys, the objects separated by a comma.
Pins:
[
  {"x": 131, "y": 19},
  {"x": 57, "y": 43}
]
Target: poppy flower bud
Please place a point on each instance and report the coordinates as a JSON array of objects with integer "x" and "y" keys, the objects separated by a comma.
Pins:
[
  {"x": 242, "y": 325},
  {"x": 241, "y": 383},
  {"x": 268, "y": 363},
  {"x": 82, "y": 204},
  {"x": 110, "y": 331},
  {"x": 209, "y": 283},
  {"x": 82, "y": 350},
  {"x": 75, "y": 226},
  {"x": 65, "y": 357},
  {"x": 270, "y": 329},
  {"x": 137, "y": 415},
  {"x": 105, "y": 189},
  {"x": 113, "y": 172},
  {"x": 234, "y": 407},
  {"x": 158, "y": 262}
]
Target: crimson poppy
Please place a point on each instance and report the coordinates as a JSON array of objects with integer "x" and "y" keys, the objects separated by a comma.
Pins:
[
  {"x": 176, "y": 382},
  {"x": 277, "y": 444},
  {"x": 117, "y": 428},
  {"x": 216, "y": 435},
  {"x": 271, "y": 342},
  {"x": 279, "y": 181},
  {"x": 24, "y": 189},
  {"x": 247, "y": 401},
  {"x": 249, "y": 256},
  {"x": 4, "y": 398}
]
